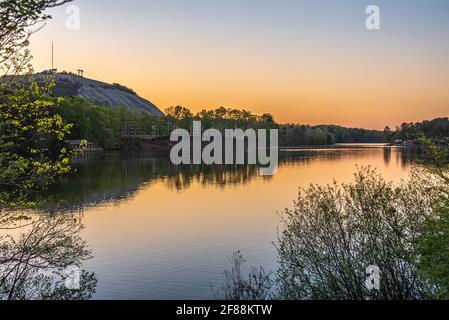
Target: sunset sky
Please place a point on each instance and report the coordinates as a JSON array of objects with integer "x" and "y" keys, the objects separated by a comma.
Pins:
[{"x": 308, "y": 62}]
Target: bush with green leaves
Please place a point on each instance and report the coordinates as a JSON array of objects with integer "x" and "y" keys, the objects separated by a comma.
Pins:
[
  {"x": 433, "y": 244},
  {"x": 95, "y": 123},
  {"x": 334, "y": 233},
  {"x": 32, "y": 155},
  {"x": 32, "y": 151}
]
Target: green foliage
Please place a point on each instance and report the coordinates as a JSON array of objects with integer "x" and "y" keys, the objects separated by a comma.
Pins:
[
  {"x": 299, "y": 135},
  {"x": 32, "y": 157},
  {"x": 103, "y": 125},
  {"x": 433, "y": 153},
  {"x": 437, "y": 129},
  {"x": 290, "y": 135},
  {"x": 95, "y": 123},
  {"x": 32, "y": 153},
  {"x": 433, "y": 245},
  {"x": 154, "y": 125},
  {"x": 388, "y": 136},
  {"x": 433, "y": 249},
  {"x": 221, "y": 118},
  {"x": 333, "y": 234},
  {"x": 181, "y": 117}
]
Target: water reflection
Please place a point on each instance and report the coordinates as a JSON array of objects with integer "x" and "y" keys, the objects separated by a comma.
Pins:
[
  {"x": 160, "y": 231},
  {"x": 115, "y": 176},
  {"x": 36, "y": 253}
]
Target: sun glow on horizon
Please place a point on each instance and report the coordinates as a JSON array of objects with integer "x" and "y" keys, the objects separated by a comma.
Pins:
[{"x": 303, "y": 62}]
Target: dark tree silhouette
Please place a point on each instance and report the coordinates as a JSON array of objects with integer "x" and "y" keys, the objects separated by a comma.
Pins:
[
  {"x": 18, "y": 20},
  {"x": 35, "y": 254}
]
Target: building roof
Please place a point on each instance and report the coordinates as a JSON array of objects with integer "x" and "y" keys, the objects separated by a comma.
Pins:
[{"x": 76, "y": 142}]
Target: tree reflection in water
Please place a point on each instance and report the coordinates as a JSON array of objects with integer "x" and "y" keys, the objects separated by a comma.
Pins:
[
  {"x": 112, "y": 177},
  {"x": 37, "y": 247},
  {"x": 35, "y": 252}
]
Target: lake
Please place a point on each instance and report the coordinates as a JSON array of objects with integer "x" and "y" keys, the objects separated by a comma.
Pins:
[{"x": 162, "y": 232}]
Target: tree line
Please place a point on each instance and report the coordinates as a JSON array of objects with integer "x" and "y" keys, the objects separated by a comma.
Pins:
[
  {"x": 103, "y": 125},
  {"x": 436, "y": 128}
]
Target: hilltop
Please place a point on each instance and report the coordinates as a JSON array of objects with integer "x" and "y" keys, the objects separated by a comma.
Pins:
[{"x": 110, "y": 95}]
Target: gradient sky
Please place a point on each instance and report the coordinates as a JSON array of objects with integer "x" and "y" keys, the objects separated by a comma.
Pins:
[{"x": 308, "y": 62}]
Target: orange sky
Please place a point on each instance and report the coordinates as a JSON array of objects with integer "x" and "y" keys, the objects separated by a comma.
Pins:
[{"x": 300, "y": 63}]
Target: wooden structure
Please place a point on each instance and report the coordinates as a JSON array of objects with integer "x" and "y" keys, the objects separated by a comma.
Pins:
[
  {"x": 133, "y": 137},
  {"x": 79, "y": 145}
]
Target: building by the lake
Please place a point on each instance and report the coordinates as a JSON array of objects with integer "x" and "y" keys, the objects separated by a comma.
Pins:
[{"x": 83, "y": 145}]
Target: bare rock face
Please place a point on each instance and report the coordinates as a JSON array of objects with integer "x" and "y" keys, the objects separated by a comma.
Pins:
[{"x": 110, "y": 95}]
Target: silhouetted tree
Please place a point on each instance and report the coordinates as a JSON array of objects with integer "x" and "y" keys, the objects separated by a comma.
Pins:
[
  {"x": 17, "y": 19},
  {"x": 35, "y": 257}
]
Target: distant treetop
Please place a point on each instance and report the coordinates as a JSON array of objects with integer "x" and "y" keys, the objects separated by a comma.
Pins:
[{"x": 124, "y": 88}]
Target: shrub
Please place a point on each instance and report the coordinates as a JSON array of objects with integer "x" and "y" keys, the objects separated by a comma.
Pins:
[{"x": 334, "y": 233}]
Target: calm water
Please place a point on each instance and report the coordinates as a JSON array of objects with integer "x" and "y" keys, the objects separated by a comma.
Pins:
[{"x": 160, "y": 232}]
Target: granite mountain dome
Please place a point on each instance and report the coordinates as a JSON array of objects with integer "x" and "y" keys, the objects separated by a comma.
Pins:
[{"x": 110, "y": 95}]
